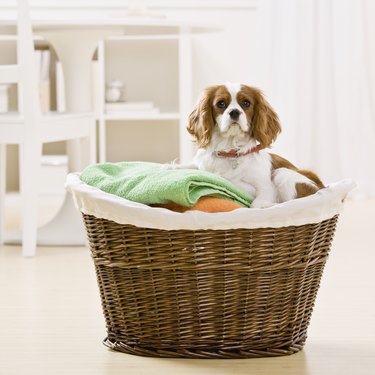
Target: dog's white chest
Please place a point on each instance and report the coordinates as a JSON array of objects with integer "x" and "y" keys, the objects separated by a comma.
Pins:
[{"x": 243, "y": 171}]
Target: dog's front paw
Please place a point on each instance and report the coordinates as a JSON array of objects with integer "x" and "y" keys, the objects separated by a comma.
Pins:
[
  {"x": 169, "y": 166},
  {"x": 173, "y": 166},
  {"x": 261, "y": 203}
]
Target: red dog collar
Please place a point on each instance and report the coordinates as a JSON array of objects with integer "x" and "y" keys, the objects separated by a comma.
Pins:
[{"x": 234, "y": 153}]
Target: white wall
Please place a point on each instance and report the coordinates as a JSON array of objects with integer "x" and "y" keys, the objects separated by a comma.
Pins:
[{"x": 369, "y": 6}]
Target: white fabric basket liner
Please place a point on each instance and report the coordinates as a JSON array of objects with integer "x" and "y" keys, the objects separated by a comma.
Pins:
[{"x": 321, "y": 206}]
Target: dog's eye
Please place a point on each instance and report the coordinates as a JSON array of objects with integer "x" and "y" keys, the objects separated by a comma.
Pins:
[
  {"x": 246, "y": 104},
  {"x": 221, "y": 104}
]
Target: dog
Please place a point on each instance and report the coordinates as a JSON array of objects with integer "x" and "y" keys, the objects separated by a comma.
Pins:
[{"x": 233, "y": 125}]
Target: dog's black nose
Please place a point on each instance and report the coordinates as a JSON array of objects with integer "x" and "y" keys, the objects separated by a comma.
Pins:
[{"x": 234, "y": 114}]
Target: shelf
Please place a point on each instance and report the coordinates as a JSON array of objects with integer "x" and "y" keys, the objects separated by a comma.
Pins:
[
  {"x": 141, "y": 116},
  {"x": 147, "y": 64}
]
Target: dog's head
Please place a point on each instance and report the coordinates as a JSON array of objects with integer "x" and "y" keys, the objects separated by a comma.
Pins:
[{"x": 236, "y": 111}]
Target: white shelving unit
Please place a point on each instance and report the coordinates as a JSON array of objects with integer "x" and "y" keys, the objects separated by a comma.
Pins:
[
  {"x": 144, "y": 116},
  {"x": 154, "y": 68}
]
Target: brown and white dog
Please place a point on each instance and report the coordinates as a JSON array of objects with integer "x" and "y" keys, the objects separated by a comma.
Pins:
[{"x": 232, "y": 125}]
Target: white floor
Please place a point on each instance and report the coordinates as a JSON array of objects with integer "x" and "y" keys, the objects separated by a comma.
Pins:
[{"x": 51, "y": 321}]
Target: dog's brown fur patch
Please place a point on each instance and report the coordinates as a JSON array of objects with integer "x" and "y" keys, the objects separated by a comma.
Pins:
[{"x": 302, "y": 190}]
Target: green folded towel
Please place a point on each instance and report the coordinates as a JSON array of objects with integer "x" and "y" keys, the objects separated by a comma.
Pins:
[{"x": 150, "y": 183}]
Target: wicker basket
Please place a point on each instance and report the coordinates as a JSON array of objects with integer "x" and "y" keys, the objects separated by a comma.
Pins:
[
  {"x": 208, "y": 294},
  {"x": 231, "y": 293}
]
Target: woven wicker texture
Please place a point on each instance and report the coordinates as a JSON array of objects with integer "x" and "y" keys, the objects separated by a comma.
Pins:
[{"x": 209, "y": 293}]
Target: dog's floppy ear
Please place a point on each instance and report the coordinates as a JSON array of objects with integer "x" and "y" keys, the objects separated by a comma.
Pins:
[
  {"x": 265, "y": 122},
  {"x": 201, "y": 119}
]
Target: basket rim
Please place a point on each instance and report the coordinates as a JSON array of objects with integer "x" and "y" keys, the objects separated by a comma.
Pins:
[{"x": 316, "y": 208}]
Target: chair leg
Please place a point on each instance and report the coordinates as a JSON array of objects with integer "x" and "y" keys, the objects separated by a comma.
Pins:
[
  {"x": 31, "y": 153},
  {"x": 2, "y": 190},
  {"x": 88, "y": 145},
  {"x": 92, "y": 143}
]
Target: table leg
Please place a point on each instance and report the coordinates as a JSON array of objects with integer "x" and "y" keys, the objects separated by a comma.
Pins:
[{"x": 75, "y": 49}]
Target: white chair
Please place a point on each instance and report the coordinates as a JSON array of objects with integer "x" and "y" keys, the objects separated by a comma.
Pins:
[{"x": 30, "y": 129}]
